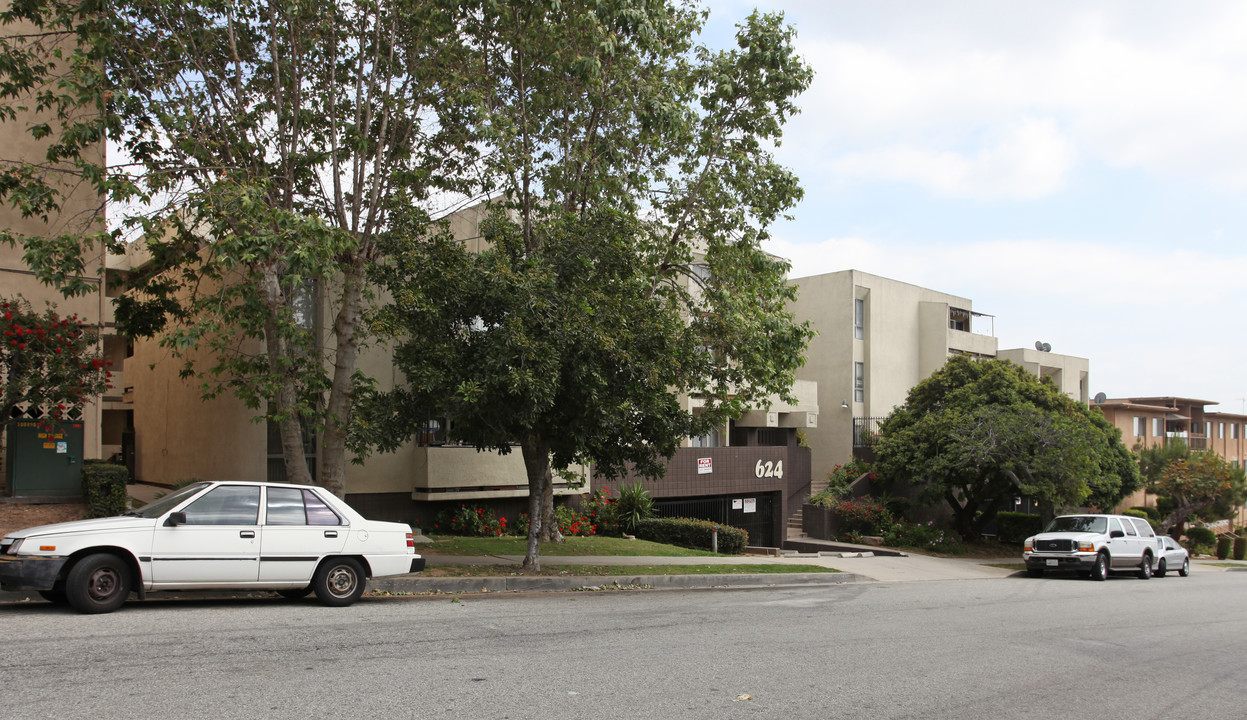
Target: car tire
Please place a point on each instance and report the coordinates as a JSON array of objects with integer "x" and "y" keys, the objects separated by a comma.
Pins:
[
  {"x": 296, "y": 594},
  {"x": 56, "y": 595},
  {"x": 97, "y": 583},
  {"x": 1034, "y": 572},
  {"x": 1161, "y": 568},
  {"x": 339, "y": 581},
  {"x": 1145, "y": 567},
  {"x": 1099, "y": 571},
  {"x": 1186, "y": 567}
]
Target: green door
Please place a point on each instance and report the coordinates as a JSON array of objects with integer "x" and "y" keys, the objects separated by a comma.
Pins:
[{"x": 43, "y": 463}]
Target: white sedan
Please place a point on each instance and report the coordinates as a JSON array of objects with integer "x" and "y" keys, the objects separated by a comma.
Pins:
[
  {"x": 1172, "y": 557},
  {"x": 293, "y": 539}
]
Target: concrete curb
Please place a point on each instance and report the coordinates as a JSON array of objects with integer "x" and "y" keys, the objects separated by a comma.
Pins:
[{"x": 416, "y": 585}]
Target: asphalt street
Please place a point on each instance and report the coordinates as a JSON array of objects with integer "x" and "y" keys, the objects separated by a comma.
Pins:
[{"x": 983, "y": 648}]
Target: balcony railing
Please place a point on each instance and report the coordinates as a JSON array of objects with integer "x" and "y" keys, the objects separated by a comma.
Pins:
[{"x": 866, "y": 431}]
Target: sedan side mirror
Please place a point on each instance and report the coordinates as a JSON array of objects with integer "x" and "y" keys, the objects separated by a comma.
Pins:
[
  {"x": 1117, "y": 534},
  {"x": 175, "y": 519}
]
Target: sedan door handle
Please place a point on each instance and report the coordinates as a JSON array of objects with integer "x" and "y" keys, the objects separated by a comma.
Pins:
[
  {"x": 246, "y": 533},
  {"x": 331, "y": 533}
]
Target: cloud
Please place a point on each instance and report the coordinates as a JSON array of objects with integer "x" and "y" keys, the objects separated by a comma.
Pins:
[
  {"x": 948, "y": 96},
  {"x": 1030, "y": 159}
]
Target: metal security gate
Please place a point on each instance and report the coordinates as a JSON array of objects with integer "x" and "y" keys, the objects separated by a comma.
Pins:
[{"x": 754, "y": 513}]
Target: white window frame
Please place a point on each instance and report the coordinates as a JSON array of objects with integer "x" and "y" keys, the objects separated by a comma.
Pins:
[
  {"x": 859, "y": 382},
  {"x": 1140, "y": 426},
  {"x": 859, "y": 318}
]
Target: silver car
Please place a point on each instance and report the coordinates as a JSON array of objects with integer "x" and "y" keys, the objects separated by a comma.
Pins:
[{"x": 1172, "y": 555}]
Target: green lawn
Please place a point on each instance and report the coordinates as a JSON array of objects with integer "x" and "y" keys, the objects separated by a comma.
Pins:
[
  {"x": 595, "y": 545},
  {"x": 618, "y": 570}
]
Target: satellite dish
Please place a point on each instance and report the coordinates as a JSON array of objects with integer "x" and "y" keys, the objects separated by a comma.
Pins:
[
  {"x": 1047, "y": 347},
  {"x": 1039, "y": 345},
  {"x": 1100, "y": 398}
]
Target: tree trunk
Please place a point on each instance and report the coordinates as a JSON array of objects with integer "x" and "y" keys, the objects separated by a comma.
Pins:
[
  {"x": 341, "y": 391},
  {"x": 537, "y": 466},
  {"x": 549, "y": 523},
  {"x": 285, "y": 400}
]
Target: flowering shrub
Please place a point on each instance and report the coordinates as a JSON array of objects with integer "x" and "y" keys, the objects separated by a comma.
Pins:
[
  {"x": 572, "y": 523},
  {"x": 838, "y": 481},
  {"x": 472, "y": 521},
  {"x": 603, "y": 512},
  {"x": 865, "y": 516},
  {"x": 926, "y": 536}
]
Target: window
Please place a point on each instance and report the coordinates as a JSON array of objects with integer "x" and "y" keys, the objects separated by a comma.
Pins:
[
  {"x": 1140, "y": 426},
  {"x": 1129, "y": 527},
  {"x": 859, "y": 318},
  {"x": 1158, "y": 427},
  {"x": 1144, "y": 528},
  {"x": 226, "y": 505},
  {"x": 859, "y": 382},
  {"x": 1233, "y": 431},
  {"x": 710, "y": 439},
  {"x": 1220, "y": 431},
  {"x": 293, "y": 506}
]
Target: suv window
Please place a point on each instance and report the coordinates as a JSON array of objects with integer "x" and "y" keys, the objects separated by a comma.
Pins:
[
  {"x": 1129, "y": 527},
  {"x": 1113, "y": 525},
  {"x": 1076, "y": 523},
  {"x": 1145, "y": 528}
]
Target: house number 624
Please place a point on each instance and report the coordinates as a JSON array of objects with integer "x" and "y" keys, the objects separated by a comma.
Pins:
[{"x": 769, "y": 469}]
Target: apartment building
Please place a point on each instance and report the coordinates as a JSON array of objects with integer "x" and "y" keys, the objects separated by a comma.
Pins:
[
  {"x": 36, "y": 467},
  {"x": 878, "y": 337},
  {"x": 1147, "y": 422},
  {"x": 752, "y": 469}
]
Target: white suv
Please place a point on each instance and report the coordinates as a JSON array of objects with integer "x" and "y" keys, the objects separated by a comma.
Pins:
[{"x": 1093, "y": 546}]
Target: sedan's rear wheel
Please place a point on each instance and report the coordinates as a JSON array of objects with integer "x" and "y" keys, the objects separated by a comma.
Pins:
[
  {"x": 98, "y": 583},
  {"x": 1161, "y": 568},
  {"x": 339, "y": 581},
  {"x": 1186, "y": 567}
]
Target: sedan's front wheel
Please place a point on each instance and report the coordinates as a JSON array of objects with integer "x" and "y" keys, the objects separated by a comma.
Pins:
[
  {"x": 339, "y": 581},
  {"x": 1162, "y": 568},
  {"x": 98, "y": 583},
  {"x": 1186, "y": 567}
]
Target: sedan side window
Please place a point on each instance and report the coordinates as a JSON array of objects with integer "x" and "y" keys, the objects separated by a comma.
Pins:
[
  {"x": 226, "y": 505},
  {"x": 293, "y": 506}
]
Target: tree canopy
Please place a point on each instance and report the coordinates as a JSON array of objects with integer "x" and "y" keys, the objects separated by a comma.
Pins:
[
  {"x": 1191, "y": 482},
  {"x": 631, "y": 186},
  {"x": 255, "y": 150},
  {"x": 978, "y": 432}
]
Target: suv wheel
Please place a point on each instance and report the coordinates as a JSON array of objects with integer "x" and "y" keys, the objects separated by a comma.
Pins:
[
  {"x": 1145, "y": 568},
  {"x": 1099, "y": 571}
]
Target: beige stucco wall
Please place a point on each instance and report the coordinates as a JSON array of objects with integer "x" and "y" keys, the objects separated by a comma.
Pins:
[
  {"x": 77, "y": 209},
  {"x": 1071, "y": 374},
  {"x": 906, "y": 337}
]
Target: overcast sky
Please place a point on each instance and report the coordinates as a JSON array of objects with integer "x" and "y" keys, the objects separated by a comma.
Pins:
[{"x": 1077, "y": 169}]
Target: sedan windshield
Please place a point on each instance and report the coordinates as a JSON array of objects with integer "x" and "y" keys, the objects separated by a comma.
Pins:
[
  {"x": 1078, "y": 523},
  {"x": 160, "y": 506}
]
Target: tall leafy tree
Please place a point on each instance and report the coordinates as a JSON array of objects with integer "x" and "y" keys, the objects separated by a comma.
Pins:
[
  {"x": 631, "y": 185},
  {"x": 256, "y": 147},
  {"x": 979, "y": 431},
  {"x": 1191, "y": 483}
]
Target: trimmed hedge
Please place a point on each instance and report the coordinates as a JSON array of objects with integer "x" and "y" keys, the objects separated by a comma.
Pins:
[
  {"x": 1223, "y": 547},
  {"x": 1014, "y": 527},
  {"x": 691, "y": 533},
  {"x": 1240, "y": 548},
  {"x": 1153, "y": 514},
  {"x": 1201, "y": 537},
  {"x": 104, "y": 488}
]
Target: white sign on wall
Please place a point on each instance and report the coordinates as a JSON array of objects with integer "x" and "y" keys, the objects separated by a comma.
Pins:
[
  {"x": 705, "y": 466},
  {"x": 751, "y": 505}
]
